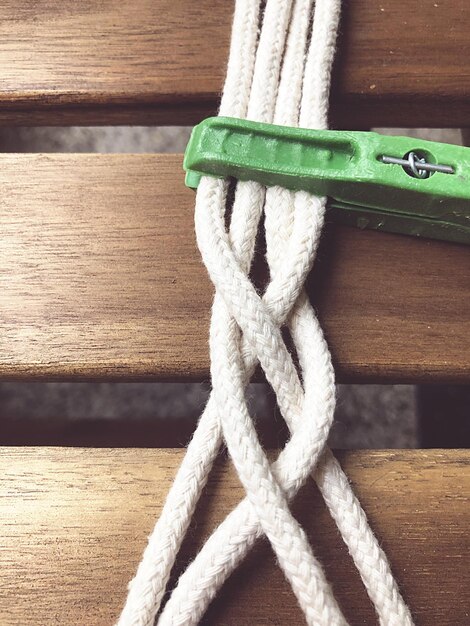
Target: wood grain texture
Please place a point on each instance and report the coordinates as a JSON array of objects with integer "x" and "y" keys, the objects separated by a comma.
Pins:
[
  {"x": 101, "y": 279},
  {"x": 75, "y": 521},
  {"x": 163, "y": 61}
]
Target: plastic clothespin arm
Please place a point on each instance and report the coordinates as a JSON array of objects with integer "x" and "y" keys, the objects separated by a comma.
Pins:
[{"x": 398, "y": 184}]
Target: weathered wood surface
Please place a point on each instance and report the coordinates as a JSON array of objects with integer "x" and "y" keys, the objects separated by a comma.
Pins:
[
  {"x": 101, "y": 279},
  {"x": 75, "y": 521},
  {"x": 163, "y": 61}
]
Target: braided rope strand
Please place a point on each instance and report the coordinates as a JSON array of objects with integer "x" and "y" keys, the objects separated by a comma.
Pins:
[
  {"x": 267, "y": 499},
  {"x": 245, "y": 328},
  {"x": 376, "y": 568},
  {"x": 302, "y": 11},
  {"x": 147, "y": 588}
]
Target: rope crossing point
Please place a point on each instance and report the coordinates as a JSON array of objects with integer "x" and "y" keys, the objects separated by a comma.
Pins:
[{"x": 280, "y": 75}]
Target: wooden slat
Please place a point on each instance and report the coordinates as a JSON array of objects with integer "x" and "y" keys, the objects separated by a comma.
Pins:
[
  {"x": 101, "y": 278},
  {"x": 75, "y": 521},
  {"x": 162, "y": 61}
]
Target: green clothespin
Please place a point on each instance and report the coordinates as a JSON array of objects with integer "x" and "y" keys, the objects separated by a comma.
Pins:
[{"x": 396, "y": 184}]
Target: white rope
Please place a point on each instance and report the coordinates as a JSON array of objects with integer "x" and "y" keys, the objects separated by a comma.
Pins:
[{"x": 293, "y": 224}]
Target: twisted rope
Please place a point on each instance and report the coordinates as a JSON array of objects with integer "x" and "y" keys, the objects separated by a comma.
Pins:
[{"x": 278, "y": 86}]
